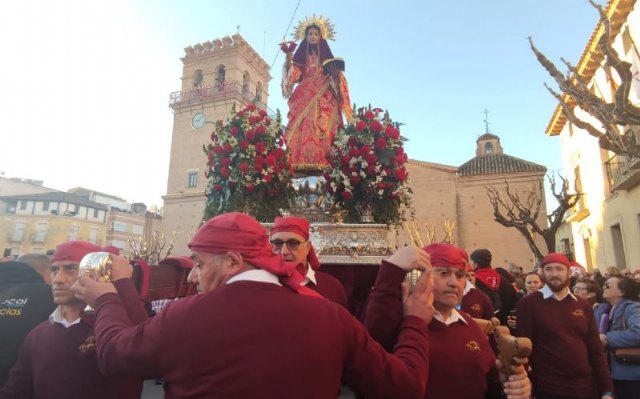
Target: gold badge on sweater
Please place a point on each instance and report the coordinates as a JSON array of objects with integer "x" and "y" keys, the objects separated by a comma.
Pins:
[
  {"x": 473, "y": 346},
  {"x": 578, "y": 313},
  {"x": 88, "y": 345}
]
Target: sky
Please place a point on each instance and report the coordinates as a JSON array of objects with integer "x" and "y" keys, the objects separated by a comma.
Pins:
[{"x": 85, "y": 83}]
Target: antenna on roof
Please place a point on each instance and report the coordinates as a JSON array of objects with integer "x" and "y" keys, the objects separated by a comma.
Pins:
[{"x": 486, "y": 120}]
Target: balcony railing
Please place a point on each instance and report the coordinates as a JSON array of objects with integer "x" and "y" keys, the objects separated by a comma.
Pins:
[
  {"x": 623, "y": 172},
  {"x": 224, "y": 90}
]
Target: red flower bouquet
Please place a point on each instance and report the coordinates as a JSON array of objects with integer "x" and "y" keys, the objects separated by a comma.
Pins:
[
  {"x": 367, "y": 173},
  {"x": 248, "y": 167}
]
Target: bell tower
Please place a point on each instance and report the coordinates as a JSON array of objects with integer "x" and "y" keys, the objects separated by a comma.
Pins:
[{"x": 216, "y": 75}]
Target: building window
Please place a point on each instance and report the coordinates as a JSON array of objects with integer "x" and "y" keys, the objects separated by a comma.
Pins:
[
  {"x": 197, "y": 79},
  {"x": 246, "y": 79},
  {"x": 96, "y": 212},
  {"x": 137, "y": 229},
  {"x": 73, "y": 232},
  {"x": 192, "y": 179},
  {"x": 18, "y": 231},
  {"x": 259, "y": 91},
  {"x": 93, "y": 235},
  {"x": 618, "y": 246},
  {"x": 41, "y": 232},
  {"x": 45, "y": 206},
  {"x": 23, "y": 205},
  {"x": 488, "y": 148},
  {"x": 118, "y": 226},
  {"x": 120, "y": 244},
  {"x": 220, "y": 77}
]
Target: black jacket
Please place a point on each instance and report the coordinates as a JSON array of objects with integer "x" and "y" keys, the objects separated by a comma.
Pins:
[{"x": 25, "y": 301}]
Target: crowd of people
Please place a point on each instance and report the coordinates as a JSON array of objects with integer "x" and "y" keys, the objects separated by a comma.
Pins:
[{"x": 268, "y": 323}]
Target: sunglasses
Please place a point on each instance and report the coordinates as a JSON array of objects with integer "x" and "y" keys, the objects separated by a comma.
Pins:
[{"x": 291, "y": 244}]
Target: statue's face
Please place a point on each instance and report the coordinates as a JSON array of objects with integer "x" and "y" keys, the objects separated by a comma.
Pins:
[{"x": 313, "y": 36}]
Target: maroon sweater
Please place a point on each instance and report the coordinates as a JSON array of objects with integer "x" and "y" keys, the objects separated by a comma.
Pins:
[
  {"x": 567, "y": 357},
  {"x": 259, "y": 340},
  {"x": 477, "y": 304},
  {"x": 57, "y": 362},
  {"x": 461, "y": 361},
  {"x": 330, "y": 288}
]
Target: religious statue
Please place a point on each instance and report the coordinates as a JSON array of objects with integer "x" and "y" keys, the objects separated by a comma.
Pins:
[{"x": 315, "y": 85}]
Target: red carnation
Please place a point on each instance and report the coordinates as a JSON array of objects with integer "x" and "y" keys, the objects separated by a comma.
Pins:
[
  {"x": 268, "y": 178},
  {"x": 381, "y": 144},
  {"x": 346, "y": 195},
  {"x": 351, "y": 141},
  {"x": 371, "y": 159},
  {"x": 369, "y": 115},
  {"x": 225, "y": 162},
  {"x": 365, "y": 150},
  {"x": 243, "y": 145},
  {"x": 392, "y": 132},
  {"x": 344, "y": 160},
  {"x": 250, "y": 135},
  {"x": 262, "y": 113},
  {"x": 249, "y": 187},
  {"x": 270, "y": 160},
  {"x": 353, "y": 152},
  {"x": 261, "y": 129},
  {"x": 360, "y": 126},
  {"x": 227, "y": 148},
  {"x": 400, "y": 174},
  {"x": 210, "y": 155},
  {"x": 240, "y": 114},
  {"x": 243, "y": 167},
  {"x": 218, "y": 149},
  {"x": 251, "y": 107},
  {"x": 376, "y": 127},
  {"x": 260, "y": 147},
  {"x": 278, "y": 152},
  {"x": 224, "y": 172},
  {"x": 371, "y": 170},
  {"x": 355, "y": 180},
  {"x": 217, "y": 187},
  {"x": 234, "y": 131}
]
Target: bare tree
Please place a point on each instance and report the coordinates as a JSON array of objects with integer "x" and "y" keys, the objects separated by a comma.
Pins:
[
  {"x": 511, "y": 209},
  {"x": 620, "y": 120},
  {"x": 152, "y": 251}
]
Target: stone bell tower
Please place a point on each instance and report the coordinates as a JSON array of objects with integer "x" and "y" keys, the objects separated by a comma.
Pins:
[{"x": 216, "y": 75}]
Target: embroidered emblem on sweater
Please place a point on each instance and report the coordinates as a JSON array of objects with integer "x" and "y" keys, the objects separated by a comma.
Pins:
[
  {"x": 578, "y": 313},
  {"x": 476, "y": 307},
  {"x": 473, "y": 346},
  {"x": 88, "y": 345}
]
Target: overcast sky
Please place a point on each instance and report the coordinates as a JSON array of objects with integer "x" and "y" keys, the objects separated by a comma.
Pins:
[{"x": 85, "y": 84}]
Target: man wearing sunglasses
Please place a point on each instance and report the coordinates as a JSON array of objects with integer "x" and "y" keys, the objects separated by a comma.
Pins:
[{"x": 289, "y": 238}]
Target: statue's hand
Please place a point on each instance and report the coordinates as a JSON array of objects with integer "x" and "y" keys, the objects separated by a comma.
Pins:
[{"x": 334, "y": 71}]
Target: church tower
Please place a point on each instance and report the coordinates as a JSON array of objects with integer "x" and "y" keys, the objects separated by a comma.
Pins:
[{"x": 216, "y": 75}]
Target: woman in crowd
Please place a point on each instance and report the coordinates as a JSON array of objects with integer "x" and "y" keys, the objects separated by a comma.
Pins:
[
  {"x": 532, "y": 282},
  {"x": 589, "y": 290},
  {"x": 619, "y": 327}
]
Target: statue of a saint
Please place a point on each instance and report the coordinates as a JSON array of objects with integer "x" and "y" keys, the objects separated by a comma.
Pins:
[{"x": 319, "y": 98}]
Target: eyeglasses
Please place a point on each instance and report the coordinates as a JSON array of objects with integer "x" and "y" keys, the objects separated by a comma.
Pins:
[
  {"x": 576, "y": 288},
  {"x": 292, "y": 244}
]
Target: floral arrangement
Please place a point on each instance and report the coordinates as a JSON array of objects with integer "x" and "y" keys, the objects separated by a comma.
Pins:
[
  {"x": 248, "y": 166},
  {"x": 367, "y": 173}
]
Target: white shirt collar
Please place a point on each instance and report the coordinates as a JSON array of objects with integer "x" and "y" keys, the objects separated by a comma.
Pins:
[
  {"x": 310, "y": 276},
  {"x": 467, "y": 287},
  {"x": 454, "y": 317},
  {"x": 547, "y": 293},
  {"x": 259, "y": 275},
  {"x": 56, "y": 317}
]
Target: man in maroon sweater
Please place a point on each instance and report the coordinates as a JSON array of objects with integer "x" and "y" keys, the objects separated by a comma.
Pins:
[
  {"x": 462, "y": 364},
  {"x": 290, "y": 239},
  {"x": 567, "y": 360},
  {"x": 256, "y": 332},
  {"x": 58, "y": 357}
]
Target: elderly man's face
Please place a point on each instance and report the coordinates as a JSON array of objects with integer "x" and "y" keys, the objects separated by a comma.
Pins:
[
  {"x": 291, "y": 246},
  {"x": 448, "y": 286},
  {"x": 213, "y": 270}
]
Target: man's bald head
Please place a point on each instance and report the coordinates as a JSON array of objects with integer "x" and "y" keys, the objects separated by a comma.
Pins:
[{"x": 40, "y": 263}]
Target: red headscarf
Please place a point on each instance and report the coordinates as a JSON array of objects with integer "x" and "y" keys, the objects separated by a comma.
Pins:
[
  {"x": 299, "y": 226},
  {"x": 237, "y": 232},
  {"x": 447, "y": 255},
  {"x": 556, "y": 257},
  {"x": 74, "y": 251}
]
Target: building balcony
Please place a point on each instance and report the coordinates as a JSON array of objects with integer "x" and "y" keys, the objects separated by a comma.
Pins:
[
  {"x": 623, "y": 172},
  {"x": 223, "y": 91}
]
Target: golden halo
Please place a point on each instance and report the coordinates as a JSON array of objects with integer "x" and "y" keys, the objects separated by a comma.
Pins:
[{"x": 326, "y": 27}]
